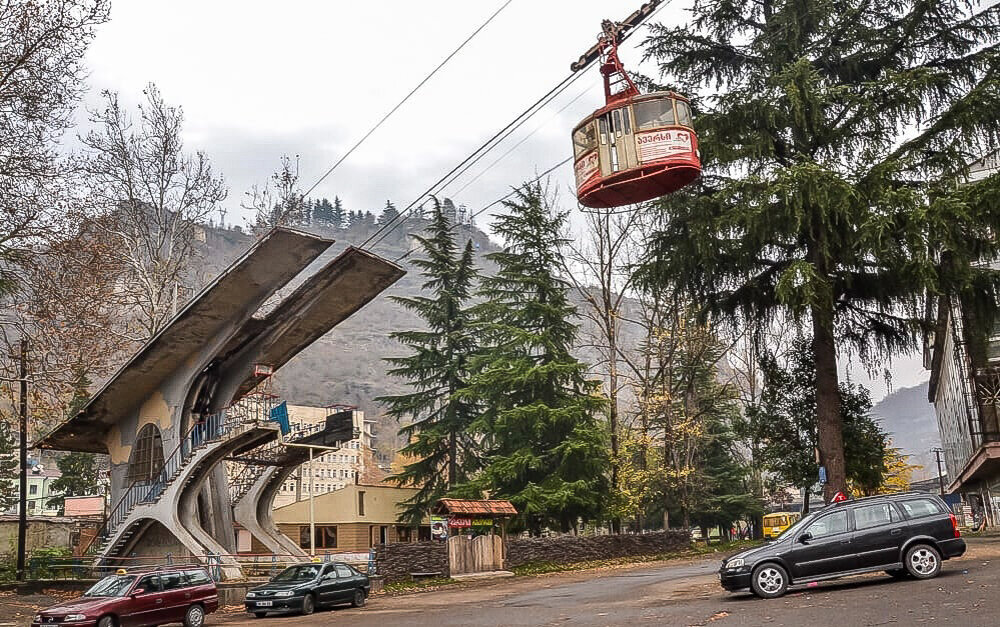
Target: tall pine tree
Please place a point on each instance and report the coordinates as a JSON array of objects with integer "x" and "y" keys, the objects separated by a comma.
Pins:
[
  {"x": 439, "y": 438},
  {"x": 545, "y": 447},
  {"x": 833, "y": 139},
  {"x": 339, "y": 218},
  {"x": 389, "y": 213}
]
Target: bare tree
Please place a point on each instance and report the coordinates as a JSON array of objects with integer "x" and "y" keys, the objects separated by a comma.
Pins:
[
  {"x": 42, "y": 45},
  {"x": 69, "y": 308},
  {"x": 282, "y": 204},
  {"x": 159, "y": 198},
  {"x": 601, "y": 274}
]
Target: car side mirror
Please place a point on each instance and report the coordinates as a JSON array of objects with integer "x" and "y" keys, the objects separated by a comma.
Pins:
[
  {"x": 805, "y": 537},
  {"x": 137, "y": 592}
]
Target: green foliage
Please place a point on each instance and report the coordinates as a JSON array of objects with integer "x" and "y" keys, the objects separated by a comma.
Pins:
[
  {"x": 834, "y": 136},
  {"x": 784, "y": 424},
  {"x": 79, "y": 477},
  {"x": 544, "y": 447},
  {"x": 440, "y": 444}
]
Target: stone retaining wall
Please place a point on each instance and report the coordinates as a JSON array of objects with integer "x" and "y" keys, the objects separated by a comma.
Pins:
[
  {"x": 396, "y": 561},
  {"x": 569, "y": 549}
]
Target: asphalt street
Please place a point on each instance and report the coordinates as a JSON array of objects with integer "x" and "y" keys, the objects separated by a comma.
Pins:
[{"x": 966, "y": 593}]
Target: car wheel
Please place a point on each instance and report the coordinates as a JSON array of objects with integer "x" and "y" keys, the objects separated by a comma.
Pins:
[
  {"x": 308, "y": 605},
  {"x": 195, "y": 616},
  {"x": 106, "y": 621},
  {"x": 898, "y": 573},
  {"x": 923, "y": 561},
  {"x": 769, "y": 581},
  {"x": 359, "y": 598},
  {"x": 260, "y": 614}
]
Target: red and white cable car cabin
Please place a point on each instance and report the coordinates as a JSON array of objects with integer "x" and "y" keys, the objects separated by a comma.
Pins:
[{"x": 635, "y": 148}]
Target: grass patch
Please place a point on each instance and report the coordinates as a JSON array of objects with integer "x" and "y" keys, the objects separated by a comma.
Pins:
[
  {"x": 695, "y": 550},
  {"x": 398, "y": 587}
]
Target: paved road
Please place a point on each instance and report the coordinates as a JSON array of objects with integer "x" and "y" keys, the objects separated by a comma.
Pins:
[{"x": 967, "y": 593}]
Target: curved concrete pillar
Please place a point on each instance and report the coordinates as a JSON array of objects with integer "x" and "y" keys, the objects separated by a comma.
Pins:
[
  {"x": 254, "y": 510},
  {"x": 177, "y": 506}
]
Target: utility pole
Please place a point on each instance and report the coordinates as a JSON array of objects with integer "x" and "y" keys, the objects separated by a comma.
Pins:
[
  {"x": 22, "y": 516},
  {"x": 937, "y": 454}
]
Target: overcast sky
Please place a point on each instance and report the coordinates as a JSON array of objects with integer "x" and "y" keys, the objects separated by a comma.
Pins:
[{"x": 258, "y": 79}]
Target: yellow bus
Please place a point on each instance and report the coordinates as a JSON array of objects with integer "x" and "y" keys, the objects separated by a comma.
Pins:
[{"x": 776, "y": 522}]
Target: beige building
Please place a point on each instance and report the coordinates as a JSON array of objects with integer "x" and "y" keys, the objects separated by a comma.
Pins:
[
  {"x": 332, "y": 470},
  {"x": 354, "y": 518}
]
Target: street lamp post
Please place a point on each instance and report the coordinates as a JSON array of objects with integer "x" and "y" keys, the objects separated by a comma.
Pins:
[{"x": 312, "y": 485}]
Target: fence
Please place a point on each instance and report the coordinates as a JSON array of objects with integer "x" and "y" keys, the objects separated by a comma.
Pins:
[{"x": 43, "y": 565}]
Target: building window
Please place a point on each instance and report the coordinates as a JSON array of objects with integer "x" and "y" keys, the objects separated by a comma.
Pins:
[
  {"x": 32, "y": 489},
  {"x": 326, "y": 537},
  {"x": 147, "y": 455},
  {"x": 361, "y": 503}
]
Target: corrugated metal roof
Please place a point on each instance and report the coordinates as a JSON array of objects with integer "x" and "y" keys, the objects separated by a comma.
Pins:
[{"x": 470, "y": 507}]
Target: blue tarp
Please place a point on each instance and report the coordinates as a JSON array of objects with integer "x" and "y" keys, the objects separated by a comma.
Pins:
[{"x": 279, "y": 414}]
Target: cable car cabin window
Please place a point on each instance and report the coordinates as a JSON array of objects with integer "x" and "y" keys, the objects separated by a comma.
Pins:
[
  {"x": 683, "y": 113},
  {"x": 617, "y": 122},
  {"x": 654, "y": 113},
  {"x": 584, "y": 140},
  {"x": 603, "y": 124},
  {"x": 626, "y": 122}
]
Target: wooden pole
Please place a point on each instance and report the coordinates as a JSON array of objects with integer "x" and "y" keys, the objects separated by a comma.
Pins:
[{"x": 22, "y": 515}]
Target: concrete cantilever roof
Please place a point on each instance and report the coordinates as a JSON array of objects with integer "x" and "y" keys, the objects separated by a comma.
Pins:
[
  {"x": 233, "y": 295},
  {"x": 327, "y": 298}
]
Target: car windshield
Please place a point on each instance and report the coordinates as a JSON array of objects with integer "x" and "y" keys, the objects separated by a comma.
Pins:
[
  {"x": 304, "y": 572},
  {"x": 112, "y": 586},
  {"x": 798, "y": 525}
]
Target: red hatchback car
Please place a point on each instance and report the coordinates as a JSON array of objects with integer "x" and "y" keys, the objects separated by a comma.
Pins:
[{"x": 175, "y": 594}]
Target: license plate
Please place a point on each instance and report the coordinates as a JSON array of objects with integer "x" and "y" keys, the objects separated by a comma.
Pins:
[{"x": 264, "y": 603}]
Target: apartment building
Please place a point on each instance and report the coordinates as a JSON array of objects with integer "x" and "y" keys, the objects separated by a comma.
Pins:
[
  {"x": 963, "y": 355},
  {"x": 332, "y": 470}
]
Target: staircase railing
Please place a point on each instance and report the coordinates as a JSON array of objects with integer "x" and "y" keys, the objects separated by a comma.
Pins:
[
  {"x": 207, "y": 430},
  {"x": 263, "y": 458}
]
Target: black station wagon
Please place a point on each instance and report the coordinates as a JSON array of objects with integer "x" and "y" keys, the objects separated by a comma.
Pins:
[{"x": 905, "y": 535}]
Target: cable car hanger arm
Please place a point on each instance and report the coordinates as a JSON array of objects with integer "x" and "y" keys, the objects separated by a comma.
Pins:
[{"x": 614, "y": 33}]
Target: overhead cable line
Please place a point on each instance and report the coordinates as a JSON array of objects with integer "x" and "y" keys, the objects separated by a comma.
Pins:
[
  {"x": 517, "y": 121},
  {"x": 522, "y": 140},
  {"x": 407, "y": 97},
  {"x": 504, "y": 197},
  {"x": 577, "y": 70}
]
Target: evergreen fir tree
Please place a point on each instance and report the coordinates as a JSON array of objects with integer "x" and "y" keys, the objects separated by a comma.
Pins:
[
  {"x": 79, "y": 477},
  {"x": 439, "y": 439},
  {"x": 79, "y": 470},
  {"x": 354, "y": 219},
  {"x": 832, "y": 144},
  {"x": 389, "y": 213},
  {"x": 338, "y": 219},
  {"x": 323, "y": 213},
  {"x": 545, "y": 447},
  {"x": 785, "y": 425}
]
